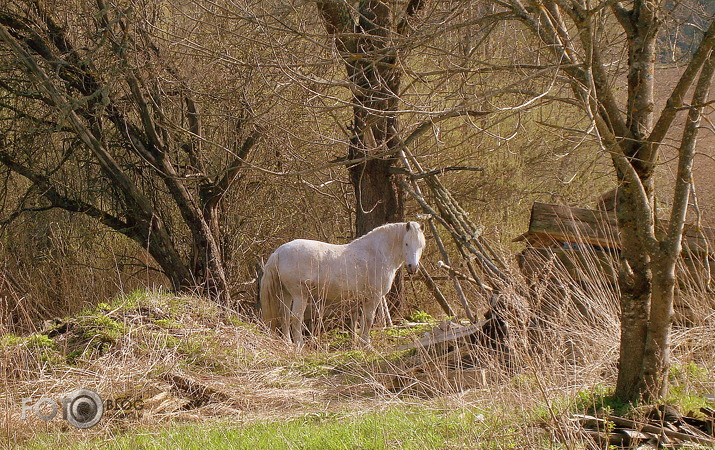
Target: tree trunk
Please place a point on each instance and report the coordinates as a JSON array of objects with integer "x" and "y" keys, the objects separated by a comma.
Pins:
[
  {"x": 653, "y": 382},
  {"x": 656, "y": 358},
  {"x": 159, "y": 245},
  {"x": 631, "y": 136},
  {"x": 635, "y": 225},
  {"x": 635, "y": 281},
  {"x": 367, "y": 46},
  {"x": 376, "y": 83},
  {"x": 147, "y": 141},
  {"x": 377, "y": 199},
  {"x": 367, "y": 38}
]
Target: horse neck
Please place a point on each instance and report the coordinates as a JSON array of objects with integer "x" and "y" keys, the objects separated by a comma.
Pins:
[{"x": 388, "y": 240}]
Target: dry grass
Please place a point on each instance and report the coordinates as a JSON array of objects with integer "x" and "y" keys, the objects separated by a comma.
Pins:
[{"x": 190, "y": 361}]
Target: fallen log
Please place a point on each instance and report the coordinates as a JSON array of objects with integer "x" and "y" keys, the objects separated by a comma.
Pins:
[
  {"x": 659, "y": 430},
  {"x": 199, "y": 394}
]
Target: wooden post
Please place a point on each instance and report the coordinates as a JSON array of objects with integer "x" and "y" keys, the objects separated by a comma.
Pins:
[{"x": 432, "y": 286}]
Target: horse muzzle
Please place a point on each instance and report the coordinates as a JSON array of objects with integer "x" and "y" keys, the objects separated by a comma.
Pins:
[{"x": 412, "y": 268}]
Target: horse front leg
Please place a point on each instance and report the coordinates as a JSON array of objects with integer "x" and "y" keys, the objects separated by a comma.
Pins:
[{"x": 367, "y": 320}]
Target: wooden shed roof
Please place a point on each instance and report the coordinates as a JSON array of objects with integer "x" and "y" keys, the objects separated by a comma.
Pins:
[{"x": 552, "y": 225}]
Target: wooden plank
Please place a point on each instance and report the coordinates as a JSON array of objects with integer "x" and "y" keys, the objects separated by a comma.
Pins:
[
  {"x": 695, "y": 431},
  {"x": 658, "y": 430},
  {"x": 574, "y": 224},
  {"x": 445, "y": 332},
  {"x": 581, "y": 265},
  {"x": 538, "y": 240},
  {"x": 551, "y": 225},
  {"x": 608, "y": 200}
]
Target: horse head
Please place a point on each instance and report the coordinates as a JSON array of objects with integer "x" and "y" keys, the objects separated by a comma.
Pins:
[{"x": 414, "y": 244}]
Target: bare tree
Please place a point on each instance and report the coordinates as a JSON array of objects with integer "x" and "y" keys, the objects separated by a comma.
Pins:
[
  {"x": 583, "y": 38},
  {"x": 396, "y": 73},
  {"x": 369, "y": 38},
  {"x": 101, "y": 122}
]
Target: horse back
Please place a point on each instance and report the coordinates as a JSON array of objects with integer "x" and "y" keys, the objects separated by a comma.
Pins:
[{"x": 333, "y": 270}]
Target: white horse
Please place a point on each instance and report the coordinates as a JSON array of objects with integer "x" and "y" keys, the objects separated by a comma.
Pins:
[{"x": 361, "y": 271}]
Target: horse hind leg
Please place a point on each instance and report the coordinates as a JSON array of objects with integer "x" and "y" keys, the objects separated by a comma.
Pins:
[
  {"x": 286, "y": 306},
  {"x": 297, "y": 317}
]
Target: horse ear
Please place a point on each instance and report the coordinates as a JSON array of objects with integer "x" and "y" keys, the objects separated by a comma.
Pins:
[{"x": 408, "y": 226}]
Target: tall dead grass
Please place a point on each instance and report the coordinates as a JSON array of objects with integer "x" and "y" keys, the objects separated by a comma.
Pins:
[
  {"x": 190, "y": 360},
  {"x": 57, "y": 263}
]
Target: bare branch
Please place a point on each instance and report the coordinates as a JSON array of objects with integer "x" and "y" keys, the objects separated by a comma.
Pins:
[
  {"x": 624, "y": 16},
  {"x": 675, "y": 101},
  {"x": 684, "y": 177},
  {"x": 50, "y": 191}
]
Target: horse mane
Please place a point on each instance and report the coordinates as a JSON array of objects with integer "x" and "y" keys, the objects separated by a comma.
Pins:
[{"x": 380, "y": 229}]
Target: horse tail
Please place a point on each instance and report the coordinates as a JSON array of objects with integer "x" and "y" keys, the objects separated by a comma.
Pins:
[{"x": 270, "y": 291}]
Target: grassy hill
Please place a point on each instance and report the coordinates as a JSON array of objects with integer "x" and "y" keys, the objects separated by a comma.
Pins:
[{"x": 206, "y": 377}]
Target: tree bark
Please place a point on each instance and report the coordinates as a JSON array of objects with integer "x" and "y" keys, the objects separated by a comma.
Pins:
[
  {"x": 635, "y": 282},
  {"x": 656, "y": 360},
  {"x": 369, "y": 49},
  {"x": 377, "y": 199}
]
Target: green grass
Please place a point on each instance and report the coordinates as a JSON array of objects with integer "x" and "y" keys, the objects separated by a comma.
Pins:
[
  {"x": 134, "y": 299},
  {"x": 397, "y": 427},
  {"x": 597, "y": 399},
  {"x": 35, "y": 341},
  {"x": 685, "y": 392},
  {"x": 601, "y": 398},
  {"x": 399, "y": 334},
  {"x": 421, "y": 317}
]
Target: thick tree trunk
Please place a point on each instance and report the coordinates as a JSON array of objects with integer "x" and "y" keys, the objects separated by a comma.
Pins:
[
  {"x": 656, "y": 357},
  {"x": 208, "y": 266},
  {"x": 368, "y": 49},
  {"x": 635, "y": 226},
  {"x": 366, "y": 37},
  {"x": 375, "y": 126},
  {"x": 635, "y": 281},
  {"x": 632, "y": 137},
  {"x": 156, "y": 240},
  {"x": 377, "y": 198}
]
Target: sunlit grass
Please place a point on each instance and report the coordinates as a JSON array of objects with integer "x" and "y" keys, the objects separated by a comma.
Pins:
[{"x": 395, "y": 427}]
